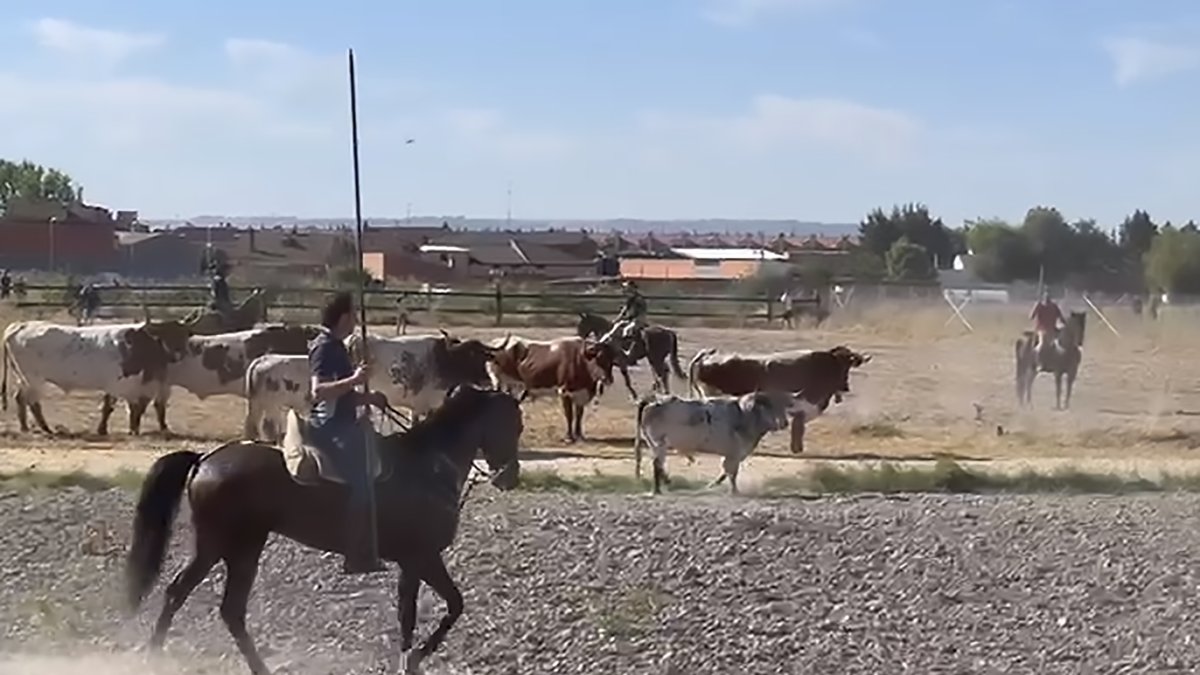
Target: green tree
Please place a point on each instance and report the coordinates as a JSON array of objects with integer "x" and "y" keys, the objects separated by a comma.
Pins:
[
  {"x": 1173, "y": 261},
  {"x": 880, "y": 231},
  {"x": 1136, "y": 234},
  {"x": 1002, "y": 252},
  {"x": 908, "y": 261},
  {"x": 26, "y": 180}
]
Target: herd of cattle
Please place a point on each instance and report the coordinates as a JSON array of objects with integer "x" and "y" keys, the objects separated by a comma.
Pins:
[{"x": 740, "y": 398}]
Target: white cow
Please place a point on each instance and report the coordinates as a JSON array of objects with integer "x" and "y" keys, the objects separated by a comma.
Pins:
[
  {"x": 275, "y": 384},
  {"x": 728, "y": 426},
  {"x": 416, "y": 371},
  {"x": 119, "y": 360}
]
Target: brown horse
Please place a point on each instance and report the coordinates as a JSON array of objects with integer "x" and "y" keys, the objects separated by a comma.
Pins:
[
  {"x": 242, "y": 492},
  {"x": 1061, "y": 357},
  {"x": 659, "y": 345},
  {"x": 207, "y": 321}
]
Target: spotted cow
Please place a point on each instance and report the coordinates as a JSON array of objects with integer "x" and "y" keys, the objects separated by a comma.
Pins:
[{"x": 121, "y": 361}]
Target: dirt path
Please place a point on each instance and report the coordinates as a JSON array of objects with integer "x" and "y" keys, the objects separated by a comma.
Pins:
[{"x": 614, "y": 460}]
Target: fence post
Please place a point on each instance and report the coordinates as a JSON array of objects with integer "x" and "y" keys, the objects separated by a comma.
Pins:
[{"x": 499, "y": 305}]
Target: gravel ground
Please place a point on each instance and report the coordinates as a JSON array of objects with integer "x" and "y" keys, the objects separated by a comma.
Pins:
[{"x": 566, "y": 584}]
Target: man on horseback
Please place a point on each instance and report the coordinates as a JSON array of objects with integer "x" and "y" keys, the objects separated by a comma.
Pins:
[
  {"x": 336, "y": 428},
  {"x": 220, "y": 301},
  {"x": 632, "y": 319},
  {"x": 1047, "y": 317}
]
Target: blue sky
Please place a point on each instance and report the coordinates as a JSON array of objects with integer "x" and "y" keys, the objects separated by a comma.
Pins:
[{"x": 808, "y": 109}]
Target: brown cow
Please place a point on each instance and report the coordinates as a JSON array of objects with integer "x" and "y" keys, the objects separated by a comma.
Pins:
[
  {"x": 574, "y": 368},
  {"x": 816, "y": 376}
]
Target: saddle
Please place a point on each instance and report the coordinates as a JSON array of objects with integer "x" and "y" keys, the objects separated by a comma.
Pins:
[{"x": 308, "y": 464}]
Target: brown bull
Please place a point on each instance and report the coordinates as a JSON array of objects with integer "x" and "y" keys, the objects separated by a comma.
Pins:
[
  {"x": 817, "y": 377},
  {"x": 573, "y": 368}
]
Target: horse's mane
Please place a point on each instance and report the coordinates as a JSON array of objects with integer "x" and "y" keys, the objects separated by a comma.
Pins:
[{"x": 461, "y": 405}]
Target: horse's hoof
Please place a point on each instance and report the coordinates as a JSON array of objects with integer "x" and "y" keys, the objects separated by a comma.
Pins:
[{"x": 410, "y": 662}]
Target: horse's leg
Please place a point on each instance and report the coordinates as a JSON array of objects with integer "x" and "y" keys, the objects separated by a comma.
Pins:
[
  {"x": 628, "y": 383},
  {"x": 1058, "y": 389},
  {"x": 181, "y": 587},
  {"x": 241, "y": 568},
  {"x": 438, "y": 577},
  {"x": 107, "y": 404},
  {"x": 406, "y": 606},
  {"x": 1071, "y": 374}
]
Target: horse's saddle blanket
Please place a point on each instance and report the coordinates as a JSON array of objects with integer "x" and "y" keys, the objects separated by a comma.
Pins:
[{"x": 309, "y": 464}]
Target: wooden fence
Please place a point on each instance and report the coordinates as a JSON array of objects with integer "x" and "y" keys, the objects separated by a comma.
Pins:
[{"x": 174, "y": 300}]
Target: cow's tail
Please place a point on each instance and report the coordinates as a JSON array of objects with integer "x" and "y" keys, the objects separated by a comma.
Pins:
[
  {"x": 637, "y": 437},
  {"x": 153, "y": 519},
  {"x": 698, "y": 359},
  {"x": 674, "y": 358}
]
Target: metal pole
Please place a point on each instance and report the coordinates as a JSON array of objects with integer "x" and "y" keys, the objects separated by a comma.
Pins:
[{"x": 362, "y": 305}]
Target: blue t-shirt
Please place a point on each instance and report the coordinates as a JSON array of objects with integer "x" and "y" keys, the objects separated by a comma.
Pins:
[{"x": 329, "y": 360}]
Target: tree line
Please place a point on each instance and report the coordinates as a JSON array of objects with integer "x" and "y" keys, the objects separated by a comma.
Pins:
[{"x": 908, "y": 243}]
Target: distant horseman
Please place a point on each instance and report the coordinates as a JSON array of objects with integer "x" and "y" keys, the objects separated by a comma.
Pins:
[
  {"x": 632, "y": 320},
  {"x": 219, "y": 289},
  {"x": 1047, "y": 318}
]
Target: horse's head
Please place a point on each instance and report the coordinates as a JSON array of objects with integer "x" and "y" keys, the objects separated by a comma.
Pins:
[
  {"x": 496, "y": 418},
  {"x": 590, "y": 324},
  {"x": 1074, "y": 332}
]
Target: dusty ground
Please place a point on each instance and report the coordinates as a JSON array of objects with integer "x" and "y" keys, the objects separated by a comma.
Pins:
[
  {"x": 1042, "y": 585},
  {"x": 933, "y": 389}
]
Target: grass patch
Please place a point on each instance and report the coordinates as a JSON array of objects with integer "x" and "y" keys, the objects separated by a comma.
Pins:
[
  {"x": 544, "y": 480},
  {"x": 944, "y": 476},
  {"x": 31, "y": 479},
  {"x": 877, "y": 430}
]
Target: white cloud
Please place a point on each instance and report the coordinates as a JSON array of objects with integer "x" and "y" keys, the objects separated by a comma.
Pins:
[
  {"x": 877, "y": 135},
  {"x": 487, "y": 130},
  {"x": 287, "y": 70},
  {"x": 743, "y": 12},
  {"x": 109, "y": 47},
  {"x": 1138, "y": 59}
]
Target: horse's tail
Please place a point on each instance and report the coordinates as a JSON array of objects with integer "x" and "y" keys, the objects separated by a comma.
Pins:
[
  {"x": 674, "y": 357},
  {"x": 153, "y": 519},
  {"x": 693, "y": 365}
]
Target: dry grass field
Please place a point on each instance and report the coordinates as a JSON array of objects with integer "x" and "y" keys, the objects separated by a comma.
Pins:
[{"x": 933, "y": 389}]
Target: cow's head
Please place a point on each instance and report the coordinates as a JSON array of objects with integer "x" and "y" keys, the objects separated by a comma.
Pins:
[
  {"x": 171, "y": 335},
  {"x": 600, "y": 358},
  {"x": 143, "y": 354},
  {"x": 835, "y": 375},
  {"x": 461, "y": 361}
]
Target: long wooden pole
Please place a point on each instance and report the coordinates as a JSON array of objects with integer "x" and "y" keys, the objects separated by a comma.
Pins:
[{"x": 362, "y": 304}]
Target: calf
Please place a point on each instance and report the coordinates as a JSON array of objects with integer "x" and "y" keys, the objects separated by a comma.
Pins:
[
  {"x": 728, "y": 426},
  {"x": 275, "y": 384},
  {"x": 817, "y": 376},
  {"x": 119, "y": 360},
  {"x": 574, "y": 368},
  {"x": 416, "y": 371},
  {"x": 215, "y": 365}
]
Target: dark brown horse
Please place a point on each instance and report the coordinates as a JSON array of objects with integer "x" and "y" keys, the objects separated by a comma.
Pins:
[
  {"x": 1061, "y": 357},
  {"x": 659, "y": 345},
  {"x": 242, "y": 492}
]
